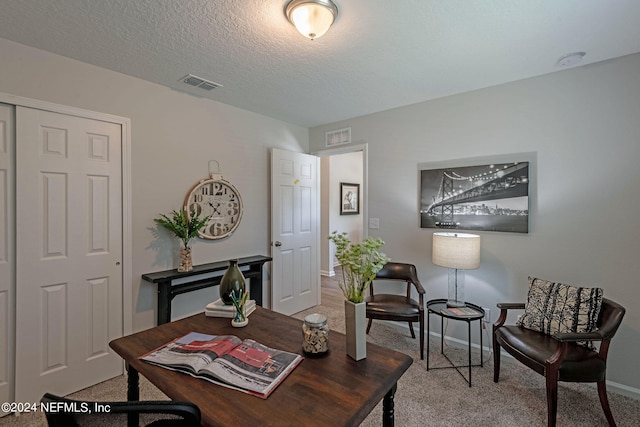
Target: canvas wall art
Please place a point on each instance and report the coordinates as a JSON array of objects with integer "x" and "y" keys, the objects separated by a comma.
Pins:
[{"x": 488, "y": 197}]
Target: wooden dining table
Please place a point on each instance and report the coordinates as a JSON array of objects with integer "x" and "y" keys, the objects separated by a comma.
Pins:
[{"x": 333, "y": 390}]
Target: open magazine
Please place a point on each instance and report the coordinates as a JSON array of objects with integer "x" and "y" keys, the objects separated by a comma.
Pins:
[{"x": 226, "y": 360}]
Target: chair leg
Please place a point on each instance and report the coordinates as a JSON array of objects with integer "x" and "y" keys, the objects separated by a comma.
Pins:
[
  {"x": 369, "y": 325},
  {"x": 413, "y": 334},
  {"x": 422, "y": 339},
  {"x": 552, "y": 397},
  {"x": 496, "y": 361},
  {"x": 604, "y": 401}
]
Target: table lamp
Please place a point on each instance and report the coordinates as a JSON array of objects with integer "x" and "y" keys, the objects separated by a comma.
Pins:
[{"x": 457, "y": 252}]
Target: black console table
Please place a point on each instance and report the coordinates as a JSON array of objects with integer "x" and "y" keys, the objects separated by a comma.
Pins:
[{"x": 167, "y": 291}]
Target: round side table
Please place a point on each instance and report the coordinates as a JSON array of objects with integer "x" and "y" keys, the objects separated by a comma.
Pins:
[{"x": 468, "y": 314}]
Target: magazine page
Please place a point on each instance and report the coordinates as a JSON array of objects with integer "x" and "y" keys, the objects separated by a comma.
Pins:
[
  {"x": 192, "y": 352},
  {"x": 253, "y": 366}
]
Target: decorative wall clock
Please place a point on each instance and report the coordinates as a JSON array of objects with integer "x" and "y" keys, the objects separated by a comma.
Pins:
[{"x": 217, "y": 197}]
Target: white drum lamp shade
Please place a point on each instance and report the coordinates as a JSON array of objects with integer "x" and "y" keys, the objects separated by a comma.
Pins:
[{"x": 458, "y": 252}]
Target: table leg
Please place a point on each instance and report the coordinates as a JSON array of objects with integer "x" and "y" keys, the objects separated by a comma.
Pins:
[
  {"x": 164, "y": 303},
  {"x": 428, "y": 329},
  {"x": 255, "y": 284},
  {"x": 469, "y": 339},
  {"x": 133, "y": 394},
  {"x": 133, "y": 388},
  {"x": 441, "y": 335},
  {"x": 388, "y": 407}
]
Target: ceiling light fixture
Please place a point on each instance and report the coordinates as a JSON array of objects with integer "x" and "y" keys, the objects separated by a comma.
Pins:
[{"x": 312, "y": 18}]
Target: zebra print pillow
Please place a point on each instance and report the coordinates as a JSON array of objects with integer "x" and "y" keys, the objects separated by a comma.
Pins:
[{"x": 556, "y": 307}]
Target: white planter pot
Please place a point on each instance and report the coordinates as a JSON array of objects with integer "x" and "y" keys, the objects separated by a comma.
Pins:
[{"x": 356, "y": 329}]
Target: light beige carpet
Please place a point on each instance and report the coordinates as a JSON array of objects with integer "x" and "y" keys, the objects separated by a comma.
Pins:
[{"x": 437, "y": 397}]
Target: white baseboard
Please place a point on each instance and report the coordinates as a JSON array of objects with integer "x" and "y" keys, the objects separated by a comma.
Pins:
[{"x": 327, "y": 273}]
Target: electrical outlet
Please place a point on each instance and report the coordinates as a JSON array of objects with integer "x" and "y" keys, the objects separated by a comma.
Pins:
[{"x": 487, "y": 315}]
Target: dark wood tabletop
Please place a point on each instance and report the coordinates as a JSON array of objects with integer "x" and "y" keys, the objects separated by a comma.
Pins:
[{"x": 333, "y": 390}]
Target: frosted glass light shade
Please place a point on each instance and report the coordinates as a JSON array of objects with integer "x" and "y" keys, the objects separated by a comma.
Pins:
[
  {"x": 456, "y": 250},
  {"x": 312, "y": 18}
]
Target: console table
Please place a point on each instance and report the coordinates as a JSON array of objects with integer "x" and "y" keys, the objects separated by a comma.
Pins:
[{"x": 167, "y": 291}]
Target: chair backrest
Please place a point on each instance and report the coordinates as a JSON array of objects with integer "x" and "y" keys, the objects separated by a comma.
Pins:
[
  {"x": 402, "y": 272},
  {"x": 610, "y": 318},
  {"x": 398, "y": 271},
  {"x": 63, "y": 412}
]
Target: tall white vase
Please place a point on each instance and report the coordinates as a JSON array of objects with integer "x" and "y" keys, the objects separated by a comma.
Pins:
[{"x": 356, "y": 329}]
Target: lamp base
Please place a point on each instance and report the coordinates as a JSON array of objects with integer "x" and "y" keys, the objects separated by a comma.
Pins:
[
  {"x": 455, "y": 297},
  {"x": 453, "y": 303}
]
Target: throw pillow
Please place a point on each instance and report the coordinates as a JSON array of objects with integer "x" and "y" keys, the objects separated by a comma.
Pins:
[{"x": 556, "y": 307}]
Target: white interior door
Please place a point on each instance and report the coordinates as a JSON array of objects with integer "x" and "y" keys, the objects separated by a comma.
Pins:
[
  {"x": 6, "y": 256},
  {"x": 69, "y": 252},
  {"x": 295, "y": 278}
]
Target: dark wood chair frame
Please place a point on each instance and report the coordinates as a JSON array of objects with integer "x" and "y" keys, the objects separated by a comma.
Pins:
[
  {"x": 398, "y": 307},
  {"x": 186, "y": 413},
  {"x": 558, "y": 357}
]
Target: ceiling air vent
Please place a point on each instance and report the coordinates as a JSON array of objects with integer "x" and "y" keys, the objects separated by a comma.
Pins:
[
  {"x": 196, "y": 81},
  {"x": 337, "y": 137}
]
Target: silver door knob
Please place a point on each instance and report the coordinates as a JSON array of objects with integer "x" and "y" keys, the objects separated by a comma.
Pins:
[{"x": 277, "y": 244}]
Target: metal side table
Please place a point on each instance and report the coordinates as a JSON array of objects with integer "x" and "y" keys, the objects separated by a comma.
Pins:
[{"x": 439, "y": 308}]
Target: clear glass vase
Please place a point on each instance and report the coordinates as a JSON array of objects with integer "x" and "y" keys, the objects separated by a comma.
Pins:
[{"x": 185, "y": 260}]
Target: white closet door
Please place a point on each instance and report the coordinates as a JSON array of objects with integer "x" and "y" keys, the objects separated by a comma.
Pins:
[
  {"x": 69, "y": 252},
  {"x": 6, "y": 255}
]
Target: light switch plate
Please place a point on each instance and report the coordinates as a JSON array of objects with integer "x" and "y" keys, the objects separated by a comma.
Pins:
[{"x": 374, "y": 223}]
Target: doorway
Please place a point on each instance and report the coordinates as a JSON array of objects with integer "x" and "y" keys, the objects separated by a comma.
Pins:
[{"x": 341, "y": 165}]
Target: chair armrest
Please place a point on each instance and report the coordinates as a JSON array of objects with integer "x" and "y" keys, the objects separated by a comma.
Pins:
[
  {"x": 511, "y": 305},
  {"x": 504, "y": 306},
  {"x": 577, "y": 336},
  {"x": 418, "y": 286}
]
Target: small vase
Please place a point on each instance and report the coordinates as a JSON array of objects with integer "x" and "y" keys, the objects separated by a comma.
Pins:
[
  {"x": 233, "y": 280},
  {"x": 239, "y": 321},
  {"x": 355, "y": 317},
  {"x": 185, "y": 260}
]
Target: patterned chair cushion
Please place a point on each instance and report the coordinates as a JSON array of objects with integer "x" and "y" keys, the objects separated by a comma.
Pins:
[{"x": 556, "y": 307}]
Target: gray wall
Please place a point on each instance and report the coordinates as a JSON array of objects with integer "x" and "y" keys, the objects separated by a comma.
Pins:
[
  {"x": 583, "y": 128},
  {"x": 174, "y": 135}
]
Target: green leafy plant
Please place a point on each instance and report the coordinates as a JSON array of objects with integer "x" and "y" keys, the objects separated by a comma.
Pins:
[
  {"x": 360, "y": 262},
  {"x": 183, "y": 227}
]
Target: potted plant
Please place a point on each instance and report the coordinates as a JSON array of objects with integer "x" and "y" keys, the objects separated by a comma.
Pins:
[
  {"x": 184, "y": 228},
  {"x": 360, "y": 262}
]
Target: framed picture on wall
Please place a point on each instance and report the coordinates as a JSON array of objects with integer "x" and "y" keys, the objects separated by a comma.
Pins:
[
  {"x": 488, "y": 197},
  {"x": 349, "y": 199}
]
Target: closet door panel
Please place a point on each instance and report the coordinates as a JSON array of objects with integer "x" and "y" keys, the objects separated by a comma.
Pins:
[
  {"x": 7, "y": 281},
  {"x": 69, "y": 253}
]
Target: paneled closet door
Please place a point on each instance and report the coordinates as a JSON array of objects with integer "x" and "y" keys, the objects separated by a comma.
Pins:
[
  {"x": 7, "y": 257},
  {"x": 68, "y": 252}
]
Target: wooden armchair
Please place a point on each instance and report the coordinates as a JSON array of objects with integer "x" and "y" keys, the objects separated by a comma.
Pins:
[
  {"x": 559, "y": 357},
  {"x": 398, "y": 307}
]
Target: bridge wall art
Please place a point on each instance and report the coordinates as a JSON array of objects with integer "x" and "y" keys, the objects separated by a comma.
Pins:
[{"x": 491, "y": 197}]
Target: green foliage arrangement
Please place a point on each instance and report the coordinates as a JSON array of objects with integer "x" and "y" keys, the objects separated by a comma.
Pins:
[
  {"x": 360, "y": 262},
  {"x": 181, "y": 226}
]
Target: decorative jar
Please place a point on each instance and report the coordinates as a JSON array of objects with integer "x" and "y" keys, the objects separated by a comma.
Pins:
[{"x": 315, "y": 335}]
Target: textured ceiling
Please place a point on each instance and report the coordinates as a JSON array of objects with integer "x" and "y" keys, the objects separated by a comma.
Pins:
[{"x": 378, "y": 54}]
